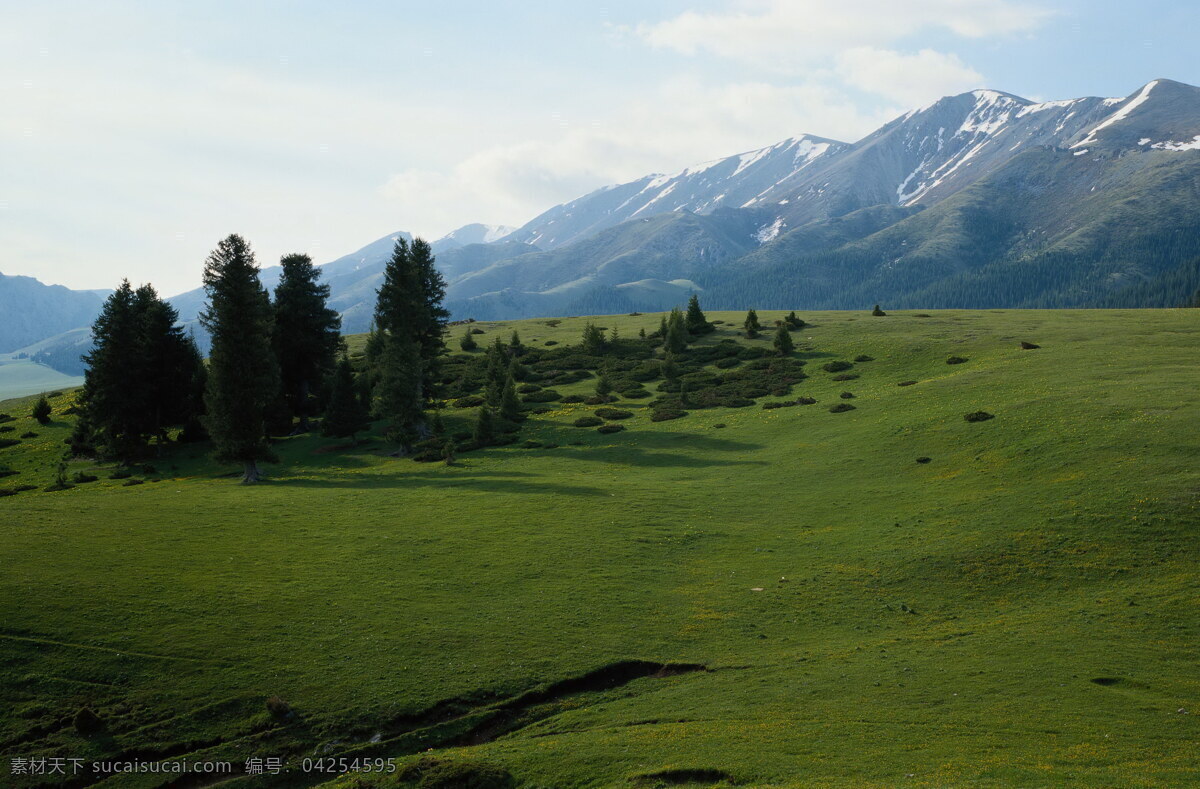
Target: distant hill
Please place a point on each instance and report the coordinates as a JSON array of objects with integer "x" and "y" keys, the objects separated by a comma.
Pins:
[{"x": 31, "y": 311}]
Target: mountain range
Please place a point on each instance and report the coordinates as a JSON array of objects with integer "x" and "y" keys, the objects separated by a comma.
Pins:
[{"x": 984, "y": 199}]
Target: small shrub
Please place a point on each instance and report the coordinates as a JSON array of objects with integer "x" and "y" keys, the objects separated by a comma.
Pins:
[
  {"x": 9, "y": 442},
  {"x": 836, "y": 367},
  {"x": 806, "y": 401},
  {"x": 601, "y": 399},
  {"x": 589, "y": 421},
  {"x": 847, "y": 395},
  {"x": 6, "y": 429},
  {"x": 979, "y": 416},
  {"x": 955, "y": 360},
  {"x": 864, "y": 358},
  {"x": 29, "y": 434},
  {"x": 477, "y": 331},
  {"x": 922, "y": 315},
  {"x": 80, "y": 478},
  {"x": 540, "y": 409},
  {"x": 719, "y": 426},
  {"x": 751, "y": 352},
  {"x": 278, "y": 707},
  {"x": 41, "y": 411},
  {"x": 87, "y": 722},
  {"x": 148, "y": 469},
  {"x": 636, "y": 394},
  {"x": 541, "y": 396},
  {"x": 878, "y": 313},
  {"x": 528, "y": 388},
  {"x": 6, "y": 418},
  {"x": 1028, "y": 346},
  {"x": 120, "y": 474},
  {"x": 23, "y": 488},
  {"x": 7, "y": 472},
  {"x": 7, "y": 492},
  {"x": 129, "y": 483},
  {"x": 924, "y": 460},
  {"x": 574, "y": 398},
  {"x": 845, "y": 377},
  {"x": 779, "y": 404},
  {"x": 727, "y": 362},
  {"x": 610, "y": 428},
  {"x": 532, "y": 444},
  {"x": 470, "y": 401},
  {"x": 667, "y": 414},
  {"x": 841, "y": 408},
  {"x": 613, "y": 413},
  {"x": 906, "y": 383},
  {"x": 551, "y": 342}
]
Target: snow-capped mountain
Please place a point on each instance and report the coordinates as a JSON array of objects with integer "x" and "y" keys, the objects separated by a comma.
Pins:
[
  {"x": 472, "y": 234},
  {"x": 733, "y": 182}
]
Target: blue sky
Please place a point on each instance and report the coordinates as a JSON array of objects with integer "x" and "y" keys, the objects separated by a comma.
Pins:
[{"x": 135, "y": 135}]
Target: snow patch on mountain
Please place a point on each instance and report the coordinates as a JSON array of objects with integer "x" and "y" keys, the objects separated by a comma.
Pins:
[{"x": 1119, "y": 115}]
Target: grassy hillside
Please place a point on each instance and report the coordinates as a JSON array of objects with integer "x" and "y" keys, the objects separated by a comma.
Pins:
[{"x": 810, "y": 606}]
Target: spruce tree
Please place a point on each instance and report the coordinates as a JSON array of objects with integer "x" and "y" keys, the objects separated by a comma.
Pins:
[
  {"x": 794, "y": 321},
  {"x": 41, "y": 411},
  {"x": 510, "y": 404},
  {"x": 751, "y": 325},
  {"x": 783, "y": 340},
  {"x": 307, "y": 333},
  {"x": 695, "y": 319},
  {"x": 399, "y": 398},
  {"x": 669, "y": 368},
  {"x": 485, "y": 429},
  {"x": 514, "y": 344},
  {"x": 593, "y": 339},
  {"x": 109, "y": 402},
  {"x": 401, "y": 369},
  {"x": 431, "y": 315},
  {"x": 243, "y": 378},
  {"x": 467, "y": 343},
  {"x": 604, "y": 384},
  {"x": 345, "y": 414},
  {"x": 171, "y": 367},
  {"x": 662, "y": 327},
  {"x": 677, "y": 336},
  {"x": 877, "y": 312}
]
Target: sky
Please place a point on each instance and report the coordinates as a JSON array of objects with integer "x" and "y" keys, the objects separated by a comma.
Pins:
[{"x": 135, "y": 135}]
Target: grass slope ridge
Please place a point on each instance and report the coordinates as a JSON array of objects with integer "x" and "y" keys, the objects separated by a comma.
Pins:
[{"x": 1018, "y": 610}]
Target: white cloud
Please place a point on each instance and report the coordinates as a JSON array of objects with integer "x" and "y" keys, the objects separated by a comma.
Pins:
[
  {"x": 681, "y": 122},
  {"x": 912, "y": 80},
  {"x": 786, "y": 34}
]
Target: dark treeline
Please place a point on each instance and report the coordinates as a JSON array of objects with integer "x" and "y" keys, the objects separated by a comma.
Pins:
[{"x": 273, "y": 364}]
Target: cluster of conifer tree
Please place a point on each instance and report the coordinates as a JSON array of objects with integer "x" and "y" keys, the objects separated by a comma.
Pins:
[{"x": 273, "y": 363}]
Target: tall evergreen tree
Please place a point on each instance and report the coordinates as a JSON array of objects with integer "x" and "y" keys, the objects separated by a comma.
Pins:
[
  {"x": 467, "y": 342},
  {"x": 307, "y": 333},
  {"x": 677, "y": 336},
  {"x": 783, "y": 340},
  {"x": 593, "y": 339},
  {"x": 752, "y": 326},
  {"x": 695, "y": 319},
  {"x": 113, "y": 367},
  {"x": 170, "y": 363},
  {"x": 409, "y": 311},
  {"x": 485, "y": 428},
  {"x": 243, "y": 377},
  {"x": 510, "y": 404},
  {"x": 345, "y": 414}
]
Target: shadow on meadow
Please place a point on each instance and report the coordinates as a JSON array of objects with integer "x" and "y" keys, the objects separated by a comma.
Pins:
[
  {"x": 656, "y": 450},
  {"x": 463, "y": 476}
]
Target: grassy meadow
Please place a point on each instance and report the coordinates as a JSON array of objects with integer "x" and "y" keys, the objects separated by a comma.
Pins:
[{"x": 782, "y": 598}]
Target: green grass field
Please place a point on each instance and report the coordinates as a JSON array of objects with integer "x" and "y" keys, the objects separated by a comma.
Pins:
[{"x": 863, "y": 620}]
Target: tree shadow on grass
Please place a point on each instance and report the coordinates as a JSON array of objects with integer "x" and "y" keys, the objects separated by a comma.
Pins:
[
  {"x": 485, "y": 481},
  {"x": 659, "y": 450}
]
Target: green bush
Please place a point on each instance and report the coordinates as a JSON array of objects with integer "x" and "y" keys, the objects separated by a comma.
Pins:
[
  {"x": 80, "y": 478},
  {"x": 979, "y": 416},
  {"x": 131, "y": 482},
  {"x": 667, "y": 414},
  {"x": 613, "y": 413},
  {"x": 924, "y": 460},
  {"x": 121, "y": 474},
  {"x": 470, "y": 401},
  {"x": 551, "y": 342},
  {"x": 847, "y": 395},
  {"x": 29, "y": 434},
  {"x": 7, "y": 472},
  {"x": 779, "y": 404},
  {"x": 864, "y": 358},
  {"x": 610, "y": 428},
  {"x": 844, "y": 377},
  {"x": 87, "y": 722},
  {"x": 727, "y": 362},
  {"x": 6, "y": 418},
  {"x": 574, "y": 398},
  {"x": 719, "y": 426},
  {"x": 753, "y": 352},
  {"x": 956, "y": 360},
  {"x": 906, "y": 383},
  {"x": 9, "y": 442},
  {"x": 636, "y": 394},
  {"x": 836, "y": 367},
  {"x": 528, "y": 388},
  {"x": 531, "y": 443},
  {"x": 6, "y": 429},
  {"x": 589, "y": 421},
  {"x": 841, "y": 408},
  {"x": 542, "y": 396},
  {"x": 806, "y": 401}
]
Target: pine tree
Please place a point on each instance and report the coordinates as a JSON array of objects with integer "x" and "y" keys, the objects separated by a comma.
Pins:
[
  {"x": 593, "y": 339},
  {"x": 467, "y": 342},
  {"x": 485, "y": 429},
  {"x": 752, "y": 325},
  {"x": 793, "y": 321},
  {"x": 399, "y": 398},
  {"x": 670, "y": 368},
  {"x": 41, "y": 411},
  {"x": 783, "y": 340},
  {"x": 306, "y": 336},
  {"x": 877, "y": 312},
  {"x": 677, "y": 336},
  {"x": 695, "y": 319},
  {"x": 514, "y": 344},
  {"x": 405, "y": 320},
  {"x": 662, "y": 327},
  {"x": 113, "y": 366},
  {"x": 243, "y": 378},
  {"x": 171, "y": 367},
  {"x": 604, "y": 384},
  {"x": 431, "y": 316},
  {"x": 345, "y": 414},
  {"x": 510, "y": 404}
]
